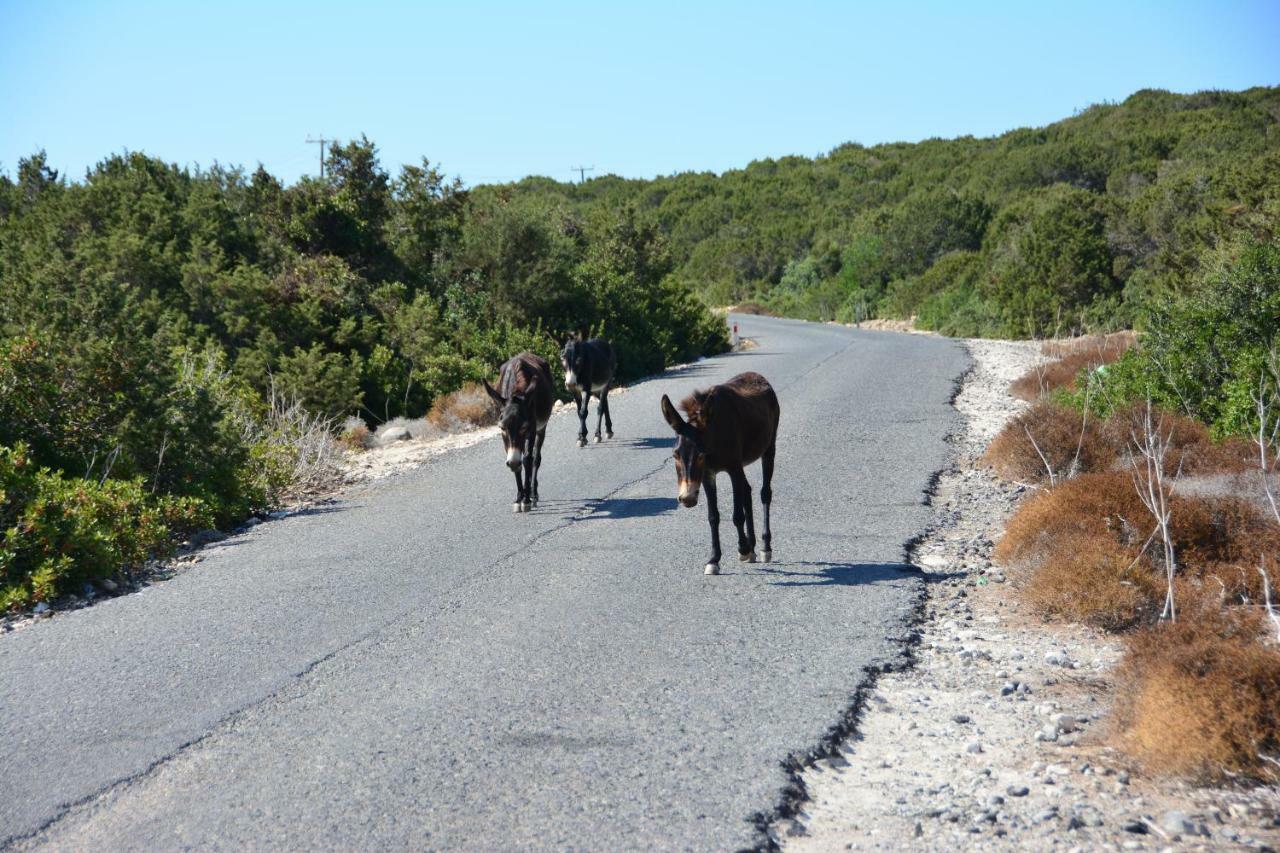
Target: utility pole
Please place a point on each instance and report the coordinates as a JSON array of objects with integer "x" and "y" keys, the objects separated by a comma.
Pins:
[
  {"x": 322, "y": 142},
  {"x": 582, "y": 171}
]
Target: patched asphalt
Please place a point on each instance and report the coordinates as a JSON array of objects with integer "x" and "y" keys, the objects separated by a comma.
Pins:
[{"x": 417, "y": 666}]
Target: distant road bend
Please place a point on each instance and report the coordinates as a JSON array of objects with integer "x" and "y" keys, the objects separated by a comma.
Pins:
[{"x": 418, "y": 667}]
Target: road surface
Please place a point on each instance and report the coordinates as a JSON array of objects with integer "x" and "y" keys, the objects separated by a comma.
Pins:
[{"x": 417, "y": 666}]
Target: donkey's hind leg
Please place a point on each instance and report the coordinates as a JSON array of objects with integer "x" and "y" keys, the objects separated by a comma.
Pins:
[
  {"x": 742, "y": 516},
  {"x": 766, "y": 498},
  {"x": 602, "y": 409},
  {"x": 604, "y": 405}
]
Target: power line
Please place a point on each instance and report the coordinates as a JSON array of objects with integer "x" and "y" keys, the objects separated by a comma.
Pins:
[
  {"x": 582, "y": 171},
  {"x": 322, "y": 142}
]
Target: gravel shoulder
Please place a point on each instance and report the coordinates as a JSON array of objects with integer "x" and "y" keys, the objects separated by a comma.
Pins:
[{"x": 995, "y": 738}]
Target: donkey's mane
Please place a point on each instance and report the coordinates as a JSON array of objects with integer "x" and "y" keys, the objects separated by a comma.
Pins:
[{"x": 695, "y": 408}]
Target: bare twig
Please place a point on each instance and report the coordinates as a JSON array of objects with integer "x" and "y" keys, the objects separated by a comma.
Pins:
[
  {"x": 1149, "y": 481},
  {"x": 1266, "y": 598},
  {"x": 1268, "y": 437},
  {"x": 1053, "y": 479}
]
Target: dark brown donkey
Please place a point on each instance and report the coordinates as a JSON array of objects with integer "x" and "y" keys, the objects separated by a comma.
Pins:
[
  {"x": 525, "y": 394},
  {"x": 730, "y": 426}
]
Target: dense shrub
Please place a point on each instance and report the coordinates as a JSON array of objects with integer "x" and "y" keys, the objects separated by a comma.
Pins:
[
  {"x": 1048, "y": 437},
  {"x": 1081, "y": 544},
  {"x": 1098, "y": 506},
  {"x": 204, "y": 332},
  {"x": 1096, "y": 581},
  {"x": 1069, "y": 358},
  {"x": 469, "y": 406},
  {"x": 1049, "y": 260},
  {"x": 1201, "y": 697},
  {"x": 1204, "y": 355},
  {"x": 57, "y": 532}
]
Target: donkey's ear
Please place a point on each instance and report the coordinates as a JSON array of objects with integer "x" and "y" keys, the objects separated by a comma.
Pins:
[
  {"x": 669, "y": 412},
  {"x": 497, "y": 398}
]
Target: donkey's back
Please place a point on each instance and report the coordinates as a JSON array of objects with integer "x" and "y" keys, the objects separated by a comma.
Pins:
[{"x": 741, "y": 414}]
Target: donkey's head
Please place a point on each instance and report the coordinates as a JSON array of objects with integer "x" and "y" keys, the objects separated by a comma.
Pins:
[
  {"x": 690, "y": 454},
  {"x": 574, "y": 360},
  {"x": 513, "y": 420}
]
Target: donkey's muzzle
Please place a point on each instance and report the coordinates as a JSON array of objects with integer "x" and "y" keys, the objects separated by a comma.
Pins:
[
  {"x": 688, "y": 495},
  {"x": 514, "y": 459}
]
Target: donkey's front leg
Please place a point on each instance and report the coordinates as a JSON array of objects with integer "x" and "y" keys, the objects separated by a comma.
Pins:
[
  {"x": 518, "y": 506},
  {"x": 742, "y": 515},
  {"x": 528, "y": 473},
  {"x": 713, "y": 516},
  {"x": 583, "y": 399}
]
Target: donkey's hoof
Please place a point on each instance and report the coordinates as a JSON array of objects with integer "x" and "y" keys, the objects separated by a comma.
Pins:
[
  {"x": 528, "y": 505},
  {"x": 766, "y": 556},
  {"x": 608, "y": 435},
  {"x": 598, "y": 439},
  {"x": 749, "y": 557},
  {"x": 711, "y": 569},
  {"x": 582, "y": 442},
  {"x": 517, "y": 507}
]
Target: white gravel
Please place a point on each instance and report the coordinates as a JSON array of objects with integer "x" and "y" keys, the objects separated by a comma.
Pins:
[{"x": 995, "y": 739}]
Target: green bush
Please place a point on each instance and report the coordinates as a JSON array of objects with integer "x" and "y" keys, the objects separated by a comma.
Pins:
[
  {"x": 57, "y": 532},
  {"x": 182, "y": 423},
  {"x": 1204, "y": 355},
  {"x": 1048, "y": 261}
]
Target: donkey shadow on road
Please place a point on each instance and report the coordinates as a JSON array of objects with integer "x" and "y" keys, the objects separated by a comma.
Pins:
[
  {"x": 618, "y": 508},
  {"x": 650, "y": 443},
  {"x": 815, "y": 573},
  {"x": 607, "y": 509}
]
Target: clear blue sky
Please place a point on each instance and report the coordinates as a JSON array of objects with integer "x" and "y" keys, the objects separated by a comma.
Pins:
[{"x": 496, "y": 91}]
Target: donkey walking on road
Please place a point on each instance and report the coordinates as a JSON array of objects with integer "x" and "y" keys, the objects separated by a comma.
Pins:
[
  {"x": 729, "y": 426},
  {"x": 588, "y": 369},
  {"x": 525, "y": 394}
]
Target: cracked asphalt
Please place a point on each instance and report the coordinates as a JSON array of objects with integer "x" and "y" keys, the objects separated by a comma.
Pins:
[{"x": 418, "y": 667}]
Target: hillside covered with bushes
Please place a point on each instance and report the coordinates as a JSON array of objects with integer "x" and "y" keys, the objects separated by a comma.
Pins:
[{"x": 1081, "y": 225}]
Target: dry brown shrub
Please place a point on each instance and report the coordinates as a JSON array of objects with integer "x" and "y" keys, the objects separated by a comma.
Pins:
[
  {"x": 1100, "y": 506},
  {"x": 1188, "y": 439},
  {"x": 1073, "y": 537},
  {"x": 1098, "y": 582},
  {"x": 469, "y": 406},
  {"x": 1201, "y": 697},
  {"x": 1224, "y": 540},
  {"x": 1109, "y": 347},
  {"x": 1070, "y": 357},
  {"x": 1057, "y": 432},
  {"x": 1235, "y": 455},
  {"x": 356, "y": 437}
]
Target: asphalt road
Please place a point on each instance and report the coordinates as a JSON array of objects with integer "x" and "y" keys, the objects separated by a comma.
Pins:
[{"x": 419, "y": 667}]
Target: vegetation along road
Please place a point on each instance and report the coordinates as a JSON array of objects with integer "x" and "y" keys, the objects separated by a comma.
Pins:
[{"x": 418, "y": 666}]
